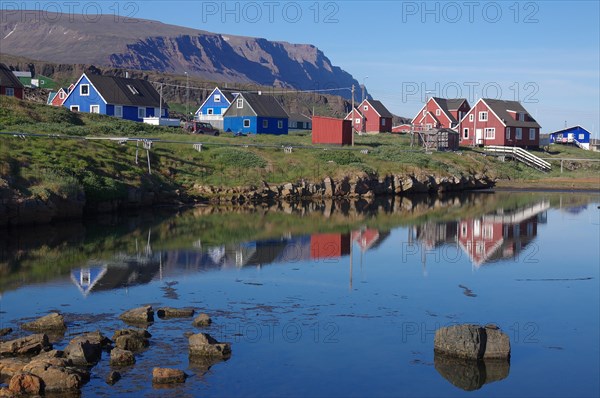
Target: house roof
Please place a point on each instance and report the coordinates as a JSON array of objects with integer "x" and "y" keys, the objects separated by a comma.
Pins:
[
  {"x": 352, "y": 113},
  {"x": 449, "y": 104},
  {"x": 569, "y": 128},
  {"x": 8, "y": 79},
  {"x": 298, "y": 117},
  {"x": 230, "y": 95},
  {"x": 116, "y": 90},
  {"x": 51, "y": 97},
  {"x": 265, "y": 105},
  {"x": 501, "y": 108},
  {"x": 380, "y": 108}
]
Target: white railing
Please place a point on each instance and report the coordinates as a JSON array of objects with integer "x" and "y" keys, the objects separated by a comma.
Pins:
[{"x": 521, "y": 155}]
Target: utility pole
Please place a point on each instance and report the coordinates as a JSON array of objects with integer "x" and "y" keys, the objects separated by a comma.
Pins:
[{"x": 352, "y": 113}]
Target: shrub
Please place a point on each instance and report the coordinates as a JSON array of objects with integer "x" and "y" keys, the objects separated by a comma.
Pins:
[
  {"x": 339, "y": 157},
  {"x": 239, "y": 158}
]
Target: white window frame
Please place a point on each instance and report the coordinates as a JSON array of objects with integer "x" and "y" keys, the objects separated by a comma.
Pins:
[
  {"x": 74, "y": 108},
  {"x": 483, "y": 116},
  {"x": 357, "y": 121},
  {"x": 217, "y": 98},
  {"x": 366, "y": 107},
  {"x": 581, "y": 136},
  {"x": 61, "y": 95},
  {"x": 429, "y": 126},
  {"x": 119, "y": 111},
  {"x": 508, "y": 133},
  {"x": 471, "y": 117},
  {"x": 210, "y": 111},
  {"x": 280, "y": 124},
  {"x": 265, "y": 123},
  {"x": 424, "y": 112},
  {"x": 488, "y": 231},
  {"x": 466, "y": 133},
  {"x": 141, "y": 112},
  {"x": 81, "y": 90},
  {"x": 518, "y": 133},
  {"x": 489, "y": 133},
  {"x": 95, "y": 106},
  {"x": 9, "y": 91},
  {"x": 438, "y": 112},
  {"x": 246, "y": 122},
  {"x": 531, "y": 134},
  {"x": 239, "y": 103}
]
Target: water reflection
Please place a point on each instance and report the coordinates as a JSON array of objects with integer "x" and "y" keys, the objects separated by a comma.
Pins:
[{"x": 470, "y": 375}]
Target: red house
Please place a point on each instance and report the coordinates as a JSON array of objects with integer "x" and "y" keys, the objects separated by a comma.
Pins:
[
  {"x": 9, "y": 83},
  {"x": 371, "y": 116},
  {"x": 328, "y": 130},
  {"x": 58, "y": 98},
  {"x": 499, "y": 122},
  {"x": 441, "y": 113},
  {"x": 329, "y": 246},
  {"x": 402, "y": 128}
]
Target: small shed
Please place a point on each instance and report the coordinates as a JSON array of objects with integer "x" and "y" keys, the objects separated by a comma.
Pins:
[
  {"x": 328, "y": 130},
  {"x": 575, "y": 135},
  {"x": 439, "y": 139}
]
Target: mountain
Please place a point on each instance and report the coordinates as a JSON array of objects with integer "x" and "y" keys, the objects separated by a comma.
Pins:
[{"x": 154, "y": 46}]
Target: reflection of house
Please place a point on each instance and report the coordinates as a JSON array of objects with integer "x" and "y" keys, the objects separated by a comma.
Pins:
[
  {"x": 368, "y": 239},
  {"x": 329, "y": 245},
  {"x": 123, "y": 271}
]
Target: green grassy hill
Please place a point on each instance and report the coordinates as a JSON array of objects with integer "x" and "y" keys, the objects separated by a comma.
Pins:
[{"x": 104, "y": 170}]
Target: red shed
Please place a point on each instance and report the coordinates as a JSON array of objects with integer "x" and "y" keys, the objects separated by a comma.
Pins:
[
  {"x": 328, "y": 130},
  {"x": 329, "y": 245}
]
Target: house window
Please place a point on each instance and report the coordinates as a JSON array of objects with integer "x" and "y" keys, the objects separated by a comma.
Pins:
[
  {"x": 217, "y": 98},
  {"x": 246, "y": 122},
  {"x": 265, "y": 124},
  {"x": 94, "y": 108},
  {"x": 366, "y": 107},
  {"x": 280, "y": 124},
  {"x": 141, "y": 113},
  {"x": 133, "y": 90},
  {"x": 463, "y": 229},
  {"x": 490, "y": 133},
  {"x": 383, "y": 122},
  {"x": 84, "y": 89},
  {"x": 240, "y": 103},
  {"x": 10, "y": 92},
  {"x": 581, "y": 136},
  {"x": 521, "y": 116},
  {"x": 209, "y": 111},
  {"x": 483, "y": 116},
  {"x": 532, "y": 134},
  {"x": 465, "y": 133},
  {"x": 519, "y": 133},
  {"x": 429, "y": 126},
  {"x": 488, "y": 231},
  {"x": 508, "y": 133},
  {"x": 357, "y": 121},
  {"x": 471, "y": 117},
  {"x": 438, "y": 112},
  {"x": 74, "y": 108},
  {"x": 118, "y": 111},
  {"x": 61, "y": 95}
]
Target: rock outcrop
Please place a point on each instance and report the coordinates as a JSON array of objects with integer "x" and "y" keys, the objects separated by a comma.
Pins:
[
  {"x": 203, "y": 345},
  {"x": 472, "y": 342}
]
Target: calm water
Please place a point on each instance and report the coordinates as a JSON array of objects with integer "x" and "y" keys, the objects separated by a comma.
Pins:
[{"x": 334, "y": 299}]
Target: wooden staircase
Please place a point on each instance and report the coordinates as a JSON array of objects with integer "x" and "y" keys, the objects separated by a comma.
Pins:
[{"x": 519, "y": 154}]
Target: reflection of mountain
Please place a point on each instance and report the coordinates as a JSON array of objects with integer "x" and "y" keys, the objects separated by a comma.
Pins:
[
  {"x": 492, "y": 237},
  {"x": 122, "y": 271}
]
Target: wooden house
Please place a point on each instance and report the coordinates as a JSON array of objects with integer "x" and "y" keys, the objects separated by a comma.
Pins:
[
  {"x": 575, "y": 135},
  {"x": 10, "y": 84},
  {"x": 214, "y": 106},
  {"x": 499, "y": 122},
  {"x": 57, "y": 98},
  {"x": 298, "y": 121},
  {"x": 441, "y": 113},
  {"x": 372, "y": 117},
  {"x": 255, "y": 114},
  {"x": 131, "y": 99}
]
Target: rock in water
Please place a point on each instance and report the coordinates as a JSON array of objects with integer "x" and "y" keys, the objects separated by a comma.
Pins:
[
  {"x": 86, "y": 350},
  {"x": 30, "y": 345},
  {"x": 168, "y": 312},
  {"x": 472, "y": 342},
  {"x": 113, "y": 377},
  {"x": 202, "y": 320},
  {"x": 53, "y": 321},
  {"x": 138, "y": 315},
  {"x": 120, "y": 357},
  {"x": 11, "y": 366},
  {"x": 168, "y": 376},
  {"x": 5, "y": 331},
  {"x": 57, "y": 374},
  {"x": 203, "y": 345},
  {"x": 23, "y": 383},
  {"x": 131, "y": 339}
]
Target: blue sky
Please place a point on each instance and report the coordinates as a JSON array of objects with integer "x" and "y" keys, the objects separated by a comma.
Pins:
[{"x": 545, "y": 54}]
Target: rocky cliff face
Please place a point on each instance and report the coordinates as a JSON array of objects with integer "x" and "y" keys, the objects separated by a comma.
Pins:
[{"x": 154, "y": 46}]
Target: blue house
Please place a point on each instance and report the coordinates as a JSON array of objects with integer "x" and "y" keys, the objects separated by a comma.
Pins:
[
  {"x": 576, "y": 135},
  {"x": 214, "y": 106},
  {"x": 256, "y": 114},
  {"x": 131, "y": 99}
]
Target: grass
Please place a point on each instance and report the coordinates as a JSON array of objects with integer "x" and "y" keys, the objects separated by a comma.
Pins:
[{"x": 104, "y": 170}]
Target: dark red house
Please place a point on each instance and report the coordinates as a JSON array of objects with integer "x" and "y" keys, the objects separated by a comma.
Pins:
[
  {"x": 328, "y": 130},
  {"x": 402, "y": 128},
  {"x": 9, "y": 83},
  {"x": 371, "y": 116},
  {"x": 441, "y": 113},
  {"x": 499, "y": 122}
]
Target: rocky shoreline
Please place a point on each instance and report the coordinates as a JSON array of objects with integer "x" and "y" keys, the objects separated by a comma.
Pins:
[{"x": 16, "y": 210}]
